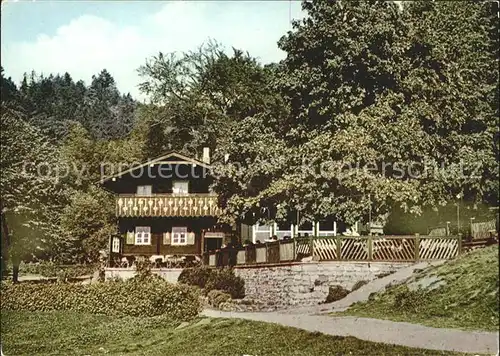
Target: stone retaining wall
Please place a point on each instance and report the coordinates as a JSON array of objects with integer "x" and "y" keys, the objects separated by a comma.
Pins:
[
  {"x": 305, "y": 283},
  {"x": 283, "y": 286},
  {"x": 169, "y": 274}
]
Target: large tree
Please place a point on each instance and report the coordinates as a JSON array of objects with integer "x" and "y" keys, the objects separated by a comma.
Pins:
[
  {"x": 200, "y": 94},
  {"x": 31, "y": 196},
  {"x": 388, "y": 107}
]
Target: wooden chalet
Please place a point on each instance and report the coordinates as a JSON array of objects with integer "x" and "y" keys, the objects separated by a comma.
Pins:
[{"x": 165, "y": 208}]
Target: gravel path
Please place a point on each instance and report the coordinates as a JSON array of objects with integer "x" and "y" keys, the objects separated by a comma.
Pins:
[
  {"x": 385, "y": 331},
  {"x": 389, "y": 332},
  {"x": 364, "y": 292}
]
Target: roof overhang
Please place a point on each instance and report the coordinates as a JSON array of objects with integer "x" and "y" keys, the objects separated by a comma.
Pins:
[{"x": 160, "y": 160}]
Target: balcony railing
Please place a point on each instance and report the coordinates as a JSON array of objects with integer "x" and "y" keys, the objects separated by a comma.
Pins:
[{"x": 167, "y": 205}]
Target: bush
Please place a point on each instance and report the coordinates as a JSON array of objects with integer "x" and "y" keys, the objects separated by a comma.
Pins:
[
  {"x": 410, "y": 301},
  {"x": 50, "y": 269},
  {"x": 131, "y": 298},
  {"x": 216, "y": 297},
  {"x": 358, "y": 285},
  {"x": 336, "y": 293},
  {"x": 196, "y": 276},
  {"x": 214, "y": 279}
]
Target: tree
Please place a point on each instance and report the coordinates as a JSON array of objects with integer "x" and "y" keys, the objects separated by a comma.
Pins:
[
  {"x": 201, "y": 93},
  {"x": 388, "y": 107},
  {"x": 31, "y": 196},
  {"x": 9, "y": 91},
  {"x": 88, "y": 221}
]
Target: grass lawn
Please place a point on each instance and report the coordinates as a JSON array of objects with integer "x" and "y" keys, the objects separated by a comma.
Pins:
[
  {"x": 66, "y": 333},
  {"x": 461, "y": 293}
]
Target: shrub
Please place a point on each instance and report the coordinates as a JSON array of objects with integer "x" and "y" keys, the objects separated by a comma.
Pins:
[
  {"x": 216, "y": 297},
  {"x": 409, "y": 300},
  {"x": 214, "y": 279},
  {"x": 50, "y": 269},
  {"x": 143, "y": 272},
  {"x": 131, "y": 298},
  {"x": 225, "y": 280},
  {"x": 358, "y": 285},
  {"x": 196, "y": 276},
  {"x": 336, "y": 293}
]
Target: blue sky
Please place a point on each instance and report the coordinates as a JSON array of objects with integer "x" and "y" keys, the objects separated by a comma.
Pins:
[{"x": 83, "y": 37}]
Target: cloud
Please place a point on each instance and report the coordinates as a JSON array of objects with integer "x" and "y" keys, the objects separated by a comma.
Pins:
[{"x": 87, "y": 44}]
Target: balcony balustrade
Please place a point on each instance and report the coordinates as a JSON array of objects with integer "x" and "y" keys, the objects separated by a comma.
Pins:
[{"x": 132, "y": 205}]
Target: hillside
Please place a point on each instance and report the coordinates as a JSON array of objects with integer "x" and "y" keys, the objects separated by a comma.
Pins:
[
  {"x": 64, "y": 333},
  {"x": 461, "y": 293}
]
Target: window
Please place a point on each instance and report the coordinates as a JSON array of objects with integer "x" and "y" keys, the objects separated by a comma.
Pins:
[
  {"x": 180, "y": 187},
  {"x": 115, "y": 247},
  {"x": 143, "y": 190},
  {"x": 143, "y": 235},
  {"x": 179, "y": 235}
]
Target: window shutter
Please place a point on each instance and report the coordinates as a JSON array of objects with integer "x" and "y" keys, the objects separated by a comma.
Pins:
[
  {"x": 190, "y": 238},
  {"x": 130, "y": 238},
  {"x": 166, "y": 238}
]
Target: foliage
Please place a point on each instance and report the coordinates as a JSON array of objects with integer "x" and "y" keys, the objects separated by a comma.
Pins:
[
  {"x": 133, "y": 297},
  {"x": 387, "y": 108},
  {"x": 202, "y": 93},
  {"x": 88, "y": 220},
  {"x": 336, "y": 293},
  {"x": 225, "y": 280},
  {"x": 408, "y": 300},
  {"x": 31, "y": 194},
  {"x": 196, "y": 276},
  {"x": 465, "y": 295},
  {"x": 222, "y": 279},
  {"x": 70, "y": 333},
  {"x": 50, "y": 269},
  {"x": 216, "y": 297}
]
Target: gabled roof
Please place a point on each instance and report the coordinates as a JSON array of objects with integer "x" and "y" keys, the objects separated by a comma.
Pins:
[{"x": 161, "y": 160}]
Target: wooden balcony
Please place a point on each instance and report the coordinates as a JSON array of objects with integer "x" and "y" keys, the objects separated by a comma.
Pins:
[{"x": 167, "y": 205}]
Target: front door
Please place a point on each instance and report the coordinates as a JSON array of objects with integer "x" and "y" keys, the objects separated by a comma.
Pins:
[{"x": 212, "y": 244}]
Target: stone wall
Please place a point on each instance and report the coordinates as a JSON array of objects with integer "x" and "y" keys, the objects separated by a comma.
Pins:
[
  {"x": 169, "y": 274},
  {"x": 305, "y": 283}
]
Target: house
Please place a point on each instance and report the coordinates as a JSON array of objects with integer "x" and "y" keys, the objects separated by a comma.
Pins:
[{"x": 165, "y": 208}]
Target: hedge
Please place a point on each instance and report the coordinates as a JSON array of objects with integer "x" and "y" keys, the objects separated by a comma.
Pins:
[
  {"x": 222, "y": 279},
  {"x": 49, "y": 269},
  {"x": 130, "y": 298}
]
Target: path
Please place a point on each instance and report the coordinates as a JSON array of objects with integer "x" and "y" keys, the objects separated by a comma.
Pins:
[
  {"x": 389, "y": 332},
  {"x": 363, "y": 293},
  {"x": 385, "y": 331}
]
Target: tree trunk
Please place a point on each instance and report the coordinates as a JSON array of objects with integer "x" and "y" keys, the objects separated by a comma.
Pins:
[
  {"x": 15, "y": 272},
  {"x": 5, "y": 242}
]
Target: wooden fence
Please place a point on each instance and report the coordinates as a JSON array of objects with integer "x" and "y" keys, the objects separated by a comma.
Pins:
[
  {"x": 483, "y": 230},
  {"x": 340, "y": 248}
]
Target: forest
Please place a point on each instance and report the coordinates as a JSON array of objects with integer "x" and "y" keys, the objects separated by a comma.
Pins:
[{"x": 398, "y": 88}]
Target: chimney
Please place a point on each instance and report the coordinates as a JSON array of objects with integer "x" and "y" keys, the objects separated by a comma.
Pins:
[{"x": 206, "y": 155}]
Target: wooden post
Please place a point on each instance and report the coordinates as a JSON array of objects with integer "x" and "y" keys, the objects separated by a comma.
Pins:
[
  {"x": 110, "y": 257},
  {"x": 311, "y": 245},
  {"x": 459, "y": 244},
  {"x": 339, "y": 246},
  {"x": 370, "y": 247},
  {"x": 417, "y": 247}
]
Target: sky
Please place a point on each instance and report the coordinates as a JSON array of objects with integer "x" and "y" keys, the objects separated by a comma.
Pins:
[{"x": 84, "y": 37}]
